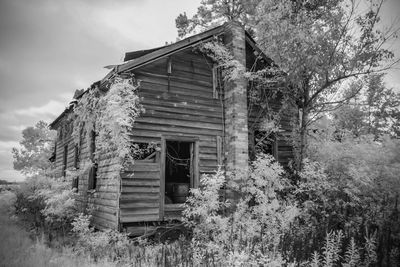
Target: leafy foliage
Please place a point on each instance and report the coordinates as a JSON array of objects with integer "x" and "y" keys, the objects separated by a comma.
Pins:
[
  {"x": 247, "y": 232},
  {"x": 36, "y": 148},
  {"x": 318, "y": 45},
  {"x": 215, "y": 12},
  {"x": 376, "y": 109},
  {"x": 353, "y": 188},
  {"x": 110, "y": 114},
  {"x": 46, "y": 204},
  {"x": 110, "y": 245}
]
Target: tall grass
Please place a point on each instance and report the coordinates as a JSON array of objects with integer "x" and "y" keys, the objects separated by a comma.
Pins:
[{"x": 19, "y": 249}]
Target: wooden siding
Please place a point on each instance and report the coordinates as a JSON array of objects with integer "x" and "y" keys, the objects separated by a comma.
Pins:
[
  {"x": 103, "y": 202},
  {"x": 181, "y": 104},
  {"x": 184, "y": 108},
  {"x": 140, "y": 192}
]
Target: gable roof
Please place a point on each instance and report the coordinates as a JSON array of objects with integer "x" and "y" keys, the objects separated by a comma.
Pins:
[
  {"x": 150, "y": 55},
  {"x": 140, "y": 58},
  {"x": 139, "y": 53}
]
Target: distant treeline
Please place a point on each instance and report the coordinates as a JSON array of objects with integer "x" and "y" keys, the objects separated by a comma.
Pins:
[{"x": 6, "y": 182}]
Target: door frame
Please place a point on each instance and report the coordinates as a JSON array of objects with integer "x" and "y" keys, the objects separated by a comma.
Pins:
[{"x": 164, "y": 138}]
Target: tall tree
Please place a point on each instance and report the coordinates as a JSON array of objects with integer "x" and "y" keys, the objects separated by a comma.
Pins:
[
  {"x": 214, "y": 12},
  {"x": 376, "y": 111},
  {"x": 319, "y": 45},
  {"x": 36, "y": 148},
  {"x": 382, "y": 106}
]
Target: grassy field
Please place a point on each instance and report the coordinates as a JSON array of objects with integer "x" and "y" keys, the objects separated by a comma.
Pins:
[{"x": 18, "y": 249}]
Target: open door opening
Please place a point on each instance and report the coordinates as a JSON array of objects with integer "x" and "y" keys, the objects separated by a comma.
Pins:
[{"x": 178, "y": 171}]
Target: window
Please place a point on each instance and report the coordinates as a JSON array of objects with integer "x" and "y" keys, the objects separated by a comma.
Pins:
[
  {"x": 92, "y": 145},
  {"x": 75, "y": 180},
  {"x": 217, "y": 81},
  {"x": 65, "y": 160},
  {"x": 76, "y": 157},
  {"x": 54, "y": 154},
  {"x": 93, "y": 170},
  {"x": 75, "y": 183},
  {"x": 264, "y": 142},
  {"x": 92, "y": 177},
  {"x": 145, "y": 152}
]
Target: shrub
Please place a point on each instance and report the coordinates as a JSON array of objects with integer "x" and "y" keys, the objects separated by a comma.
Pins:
[
  {"x": 247, "y": 231},
  {"x": 352, "y": 187},
  {"x": 46, "y": 204},
  {"x": 108, "y": 244}
]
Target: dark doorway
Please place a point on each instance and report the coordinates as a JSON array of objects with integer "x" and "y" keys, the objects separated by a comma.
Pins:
[{"x": 178, "y": 171}]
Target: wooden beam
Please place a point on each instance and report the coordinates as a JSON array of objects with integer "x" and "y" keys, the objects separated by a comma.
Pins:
[{"x": 162, "y": 176}]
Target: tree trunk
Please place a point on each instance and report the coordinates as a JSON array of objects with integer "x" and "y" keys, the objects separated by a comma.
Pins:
[
  {"x": 303, "y": 124},
  {"x": 303, "y": 138}
]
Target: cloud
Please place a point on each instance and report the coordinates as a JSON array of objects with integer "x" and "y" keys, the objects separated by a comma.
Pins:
[
  {"x": 6, "y": 146},
  {"x": 51, "y": 48},
  {"x": 11, "y": 132},
  {"x": 51, "y": 108}
]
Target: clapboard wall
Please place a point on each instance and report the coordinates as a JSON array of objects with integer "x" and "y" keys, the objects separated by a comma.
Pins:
[
  {"x": 103, "y": 201},
  {"x": 179, "y": 104}
]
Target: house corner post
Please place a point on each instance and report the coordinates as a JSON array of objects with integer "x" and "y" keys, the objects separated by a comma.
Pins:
[{"x": 236, "y": 114}]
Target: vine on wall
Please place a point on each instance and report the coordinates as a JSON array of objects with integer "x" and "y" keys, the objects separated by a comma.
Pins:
[
  {"x": 110, "y": 113},
  {"x": 259, "y": 83}
]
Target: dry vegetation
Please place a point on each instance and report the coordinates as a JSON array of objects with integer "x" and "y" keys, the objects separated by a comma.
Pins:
[{"x": 20, "y": 248}]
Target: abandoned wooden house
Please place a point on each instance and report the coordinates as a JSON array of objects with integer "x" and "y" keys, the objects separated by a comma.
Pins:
[{"x": 198, "y": 123}]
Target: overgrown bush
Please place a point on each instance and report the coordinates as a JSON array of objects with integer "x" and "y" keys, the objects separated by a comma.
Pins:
[
  {"x": 248, "y": 231},
  {"x": 46, "y": 204},
  {"x": 108, "y": 244},
  {"x": 351, "y": 186}
]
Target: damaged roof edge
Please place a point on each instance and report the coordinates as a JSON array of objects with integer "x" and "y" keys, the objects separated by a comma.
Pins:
[
  {"x": 157, "y": 53},
  {"x": 71, "y": 104}
]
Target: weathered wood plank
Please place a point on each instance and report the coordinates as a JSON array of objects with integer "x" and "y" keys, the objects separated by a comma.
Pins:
[
  {"x": 140, "y": 182},
  {"x": 179, "y": 123},
  {"x": 192, "y": 108},
  {"x": 148, "y": 197},
  {"x": 142, "y": 189},
  {"x": 139, "y": 218},
  {"x": 170, "y": 116},
  {"x": 175, "y": 130},
  {"x": 130, "y": 204},
  {"x": 138, "y": 211},
  {"x": 141, "y": 175}
]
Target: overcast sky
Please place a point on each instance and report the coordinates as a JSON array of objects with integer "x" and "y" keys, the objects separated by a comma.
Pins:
[{"x": 49, "y": 48}]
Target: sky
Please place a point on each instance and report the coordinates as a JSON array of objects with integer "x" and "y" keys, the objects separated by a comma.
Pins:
[{"x": 50, "y": 48}]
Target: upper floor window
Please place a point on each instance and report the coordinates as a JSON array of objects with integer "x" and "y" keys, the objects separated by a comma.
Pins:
[{"x": 217, "y": 81}]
